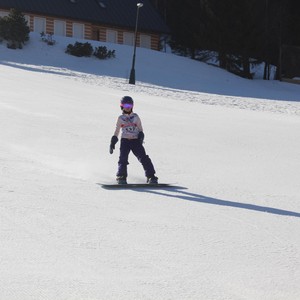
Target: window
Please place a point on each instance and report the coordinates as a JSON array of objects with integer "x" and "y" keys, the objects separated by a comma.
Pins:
[
  {"x": 145, "y": 41},
  {"x": 3, "y": 14},
  {"x": 111, "y": 36},
  {"x": 39, "y": 25},
  {"x": 59, "y": 28},
  {"x": 128, "y": 38},
  {"x": 78, "y": 31},
  {"x": 27, "y": 19}
]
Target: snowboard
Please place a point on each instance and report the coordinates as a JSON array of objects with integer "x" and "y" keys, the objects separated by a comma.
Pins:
[{"x": 135, "y": 185}]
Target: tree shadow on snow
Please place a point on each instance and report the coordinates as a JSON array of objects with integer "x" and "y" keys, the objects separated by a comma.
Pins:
[
  {"x": 180, "y": 193},
  {"x": 39, "y": 69}
]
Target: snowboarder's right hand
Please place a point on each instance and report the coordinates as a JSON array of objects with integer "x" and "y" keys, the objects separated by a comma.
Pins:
[{"x": 113, "y": 142}]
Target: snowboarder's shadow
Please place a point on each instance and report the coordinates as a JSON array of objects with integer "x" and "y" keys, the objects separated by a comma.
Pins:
[{"x": 181, "y": 193}]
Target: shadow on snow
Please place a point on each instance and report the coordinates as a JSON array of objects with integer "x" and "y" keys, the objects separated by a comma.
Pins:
[{"x": 180, "y": 193}]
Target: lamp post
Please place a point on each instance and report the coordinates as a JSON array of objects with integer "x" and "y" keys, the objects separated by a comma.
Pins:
[{"x": 132, "y": 72}]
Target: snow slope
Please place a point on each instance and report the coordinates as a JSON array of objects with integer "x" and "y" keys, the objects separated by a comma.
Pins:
[{"x": 230, "y": 232}]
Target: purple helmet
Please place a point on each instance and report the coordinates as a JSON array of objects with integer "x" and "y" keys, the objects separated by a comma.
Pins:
[{"x": 126, "y": 102}]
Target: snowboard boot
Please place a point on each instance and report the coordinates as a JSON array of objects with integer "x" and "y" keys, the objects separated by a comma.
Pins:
[
  {"x": 152, "y": 180},
  {"x": 121, "y": 180}
]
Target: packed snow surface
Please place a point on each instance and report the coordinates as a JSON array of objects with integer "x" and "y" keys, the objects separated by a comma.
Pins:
[{"x": 229, "y": 230}]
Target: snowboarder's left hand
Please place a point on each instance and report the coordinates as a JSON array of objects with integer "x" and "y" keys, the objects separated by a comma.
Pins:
[{"x": 141, "y": 137}]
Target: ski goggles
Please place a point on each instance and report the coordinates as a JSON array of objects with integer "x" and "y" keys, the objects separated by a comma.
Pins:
[{"x": 127, "y": 105}]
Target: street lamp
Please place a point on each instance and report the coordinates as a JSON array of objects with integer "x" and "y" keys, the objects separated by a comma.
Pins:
[{"x": 132, "y": 72}]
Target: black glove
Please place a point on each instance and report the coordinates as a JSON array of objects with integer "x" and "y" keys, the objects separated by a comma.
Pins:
[
  {"x": 113, "y": 142},
  {"x": 141, "y": 137}
]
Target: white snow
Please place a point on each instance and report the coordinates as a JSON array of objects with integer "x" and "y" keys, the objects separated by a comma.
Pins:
[{"x": 230, "y": 232}]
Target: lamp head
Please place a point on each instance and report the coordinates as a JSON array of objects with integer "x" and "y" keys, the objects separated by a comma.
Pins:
[{"x": 139, "y": 5}]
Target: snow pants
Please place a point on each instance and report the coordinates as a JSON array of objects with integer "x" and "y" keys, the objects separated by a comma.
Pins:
[{"x": 139, "y": 151}]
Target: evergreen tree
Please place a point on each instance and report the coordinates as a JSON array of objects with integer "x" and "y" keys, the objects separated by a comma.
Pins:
[
  {"x": 17, "y": 32},
  {"x": 249, "y": 37},
  {"x": 239, "y": 31},
  {"x": 189, "y": 20},
  {"x": 3, "y": 28},
  {"x": 294, "y": 25},
  {"x": 161, "y": 6}
]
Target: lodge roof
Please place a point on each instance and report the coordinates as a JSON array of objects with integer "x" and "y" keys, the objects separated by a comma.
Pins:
[{"x": 120, "y": 13}]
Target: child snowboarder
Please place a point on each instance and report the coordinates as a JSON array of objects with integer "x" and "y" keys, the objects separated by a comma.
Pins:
[{"x": 132, "y": 138}]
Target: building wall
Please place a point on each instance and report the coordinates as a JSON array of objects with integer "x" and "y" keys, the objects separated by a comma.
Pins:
[
  {"x": 99, "y": 33},
  {"x": 91, "y": 32}
]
